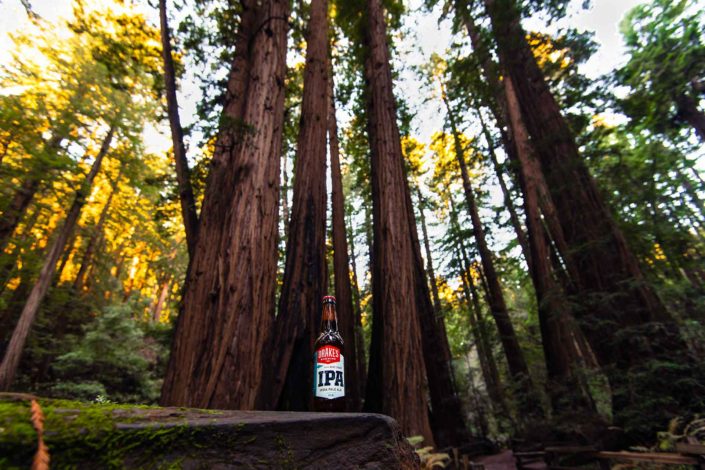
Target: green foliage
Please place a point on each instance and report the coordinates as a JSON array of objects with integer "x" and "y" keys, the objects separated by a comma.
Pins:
[
  {"x": 666, "y": 47},
  {"x": 113, "y": 359}
]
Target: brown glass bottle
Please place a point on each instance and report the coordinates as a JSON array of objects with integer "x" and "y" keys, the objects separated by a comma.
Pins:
[{"x": 329, "y": 363}]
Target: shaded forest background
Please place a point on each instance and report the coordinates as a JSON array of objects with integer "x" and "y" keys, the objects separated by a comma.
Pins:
[{"x": 536, "y": 267}]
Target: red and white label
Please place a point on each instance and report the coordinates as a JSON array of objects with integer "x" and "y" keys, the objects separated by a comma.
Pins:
[{"x": 328, "y": 354}]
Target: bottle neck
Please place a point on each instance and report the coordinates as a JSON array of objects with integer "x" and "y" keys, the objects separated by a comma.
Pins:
[{"x": 329, "y": 320}]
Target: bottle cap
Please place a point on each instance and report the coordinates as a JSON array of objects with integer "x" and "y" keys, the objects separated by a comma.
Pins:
[{"x": 328, "y": 299}]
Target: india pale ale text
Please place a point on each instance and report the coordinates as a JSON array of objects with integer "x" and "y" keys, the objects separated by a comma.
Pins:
[{"x": 329, "y": 363}]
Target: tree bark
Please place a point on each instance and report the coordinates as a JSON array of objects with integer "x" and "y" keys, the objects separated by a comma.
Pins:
[
  {"x": 347, "y": 319},
  {"x": 305, "y": 275},
  {"x": 508, "y": 202},
  {"x": 448, "y": 417},
  {"x": 429, "y": 258},
  {"x": 11, "y": 359},
  {"x": 440, "y": 322},
  {"x": 518, "y": 369},
  {"x": 622, "y": 317},
  {"x": 183, "y": 174},
  {"x": 359, "y": 338},
  {"x": 218, "y": 349},
  {"x": 488, "y": 365},
  {"x": 396, "y": 371},
  {"x": 567, "y": 391},
  {"x": 159, "y": 304}
]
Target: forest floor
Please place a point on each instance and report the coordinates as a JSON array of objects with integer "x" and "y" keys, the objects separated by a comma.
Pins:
[{"x": 505, "y": 461}]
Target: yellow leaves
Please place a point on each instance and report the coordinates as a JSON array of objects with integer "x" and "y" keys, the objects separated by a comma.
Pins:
[
  {"x": 414, "y": 152},
  {"x": 657, "y": 253},
  {"x": 446, "y": 166},
  {"x": 545, "y": 51}
]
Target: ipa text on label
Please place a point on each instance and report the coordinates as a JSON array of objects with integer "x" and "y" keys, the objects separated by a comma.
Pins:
[{"x": 329, "y": 373}]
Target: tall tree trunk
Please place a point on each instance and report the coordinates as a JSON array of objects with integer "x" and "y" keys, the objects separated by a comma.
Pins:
[
  {"x": 359, "y": 337},
  {"x": 567, "y": 391},
  {"x": 347, "y": 319},
  {"x": 183, "y": 178},
  {"x": 508, "y": 202},
  {"x": 488, "y": 365},
  {"x": 526, "y": 396},
  {"x": 159, "y": 304},
  {"x": 448, "y": 417},
  {"x": 219, "y": 343},
  {"x": 444, "y": 347},
  {"x": 64, "y": 259},
  {"x": 396, "y": 370},
  {"x": 10, "y": 259},
  {"x": 12, "y": 215},
  {"x": 626, "y": 323},
  {"x": 11, "y": 360},
  {"x": 305, "y": 275},
  {"x": 490, "y": 71},
  {"x": 96, "y": 233},
  {"x": 429, "y": 258}
]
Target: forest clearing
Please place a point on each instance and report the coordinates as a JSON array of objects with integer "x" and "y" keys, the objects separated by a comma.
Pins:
[{"x": 474, "y": 227}]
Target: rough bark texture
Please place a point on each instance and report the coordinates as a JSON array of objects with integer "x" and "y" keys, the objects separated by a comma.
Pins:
[
  {"x": 396, "y": 372},
  {"x": 218, "y": 348},
  {"x": 289, "y": 375},
  {"x": 568, "y": 393},
  {"x": 183, "y": 179},
  {"x": 626, "y": 323},
  {"x": 13, "y": 353},
  {"x": 95, "y": 436},
  {"x": 347, "y": 319},
  {"x": 498, "y": 307}
]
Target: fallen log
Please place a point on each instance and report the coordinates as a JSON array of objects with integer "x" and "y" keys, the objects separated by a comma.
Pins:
[{"x": 81, "y": 435}]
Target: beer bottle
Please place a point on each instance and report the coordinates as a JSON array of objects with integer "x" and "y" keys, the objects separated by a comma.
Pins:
[{"x": 329, "y": 363}]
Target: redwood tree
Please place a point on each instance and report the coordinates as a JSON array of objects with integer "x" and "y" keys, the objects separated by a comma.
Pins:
[
  {"x": 567, "y": 391},
  {"x": 288, "y": 377},
  {"x": 396, "y": 375},
  {"x": 526, "y": 396},
  {"x": 634, "y": 339},
  {"x": 13, "y": 353},
  {"x": 348, "y": 319},
  {"x": 218, "y": 347},
  {"x": 188, "y": 203}
]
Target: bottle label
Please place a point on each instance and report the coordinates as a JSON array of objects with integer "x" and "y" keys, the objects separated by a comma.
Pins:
[{"x": 329, "y": 373}]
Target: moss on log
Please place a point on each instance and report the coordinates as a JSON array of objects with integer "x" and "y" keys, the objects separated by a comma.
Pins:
[{"x": 87, "y": 435}]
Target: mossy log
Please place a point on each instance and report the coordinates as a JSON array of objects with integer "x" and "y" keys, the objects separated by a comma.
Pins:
[{"x": 87, "y": 435}]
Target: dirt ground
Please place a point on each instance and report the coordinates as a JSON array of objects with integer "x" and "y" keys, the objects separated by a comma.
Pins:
[{"x": 505, "y": 461}]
